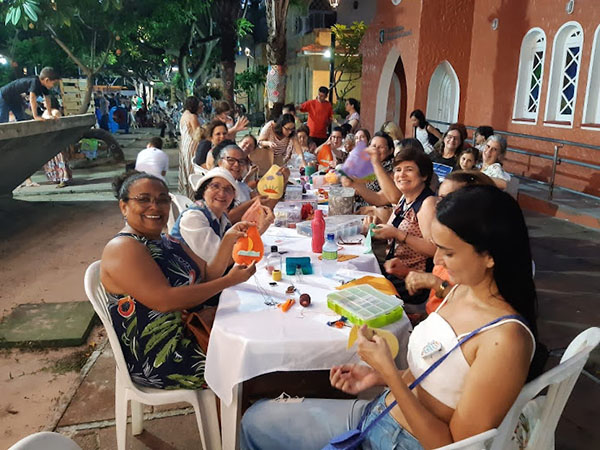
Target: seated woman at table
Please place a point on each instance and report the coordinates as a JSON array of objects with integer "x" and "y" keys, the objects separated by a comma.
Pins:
[
  {"x": 152, "y": 279},
  {"x": 280, "y": 138},
  {"x": 381, "y": 149},
  {"x": 216, "y": 133},
  {"x": 493, "y": 154},
  {"x": 481, "y": 238}
]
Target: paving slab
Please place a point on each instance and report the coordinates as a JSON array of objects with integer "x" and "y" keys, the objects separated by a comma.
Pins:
[{"x": 47, "y": 325}]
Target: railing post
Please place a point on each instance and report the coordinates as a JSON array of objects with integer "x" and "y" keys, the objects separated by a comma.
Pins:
[{"x": 555, "y": 162}]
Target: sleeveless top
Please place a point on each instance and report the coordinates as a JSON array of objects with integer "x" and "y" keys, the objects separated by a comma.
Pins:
[
  {"x": 447, "y": 382},
  {"x": 157, "y": 352},
  {"x": 405, "y": 219},
  {"x": 422, "y": 136}
]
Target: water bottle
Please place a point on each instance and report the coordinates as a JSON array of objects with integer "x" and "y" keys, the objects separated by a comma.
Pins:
[
  {"x": 329, "y": 256},
  {"x": 274, "y": 261}
]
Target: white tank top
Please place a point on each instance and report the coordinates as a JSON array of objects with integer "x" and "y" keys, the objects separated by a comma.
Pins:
[
  {"x": 429, "y": 341},
  {"x": 423, "y": 137}
]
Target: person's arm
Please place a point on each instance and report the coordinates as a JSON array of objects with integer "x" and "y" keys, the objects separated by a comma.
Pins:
[
  {"x": 48, "y": 105},
  {"x": 223, "y": 258},
  {"x": 240, "y": 125},
  {"x": 434, "y": 131},
  {"x": 264, "y": 138},
  {"x": 384, "y": 178},
  {"x": 298, "y": 149},
  {"x": 33, "y": 105},
  {"x": 127, "y": 267},
  {"x": 235, "y": 214}
]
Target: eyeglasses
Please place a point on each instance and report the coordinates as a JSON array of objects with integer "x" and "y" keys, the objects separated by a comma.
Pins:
[
  {"x": 145, "y": 200},
  {"x": 290, "y": 129},
  {"x": 452, "y": 138},
  {"x": 217, "y": 187},
  {"x": 231, "y": 161}
]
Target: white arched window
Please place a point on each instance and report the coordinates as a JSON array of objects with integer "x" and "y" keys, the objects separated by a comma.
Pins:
[
  {"x": 443, "y": 95},
  {"x": 531, "y": 74},
  {"x": 564, "y": 73},
  {"x": 591, "y": 110}
]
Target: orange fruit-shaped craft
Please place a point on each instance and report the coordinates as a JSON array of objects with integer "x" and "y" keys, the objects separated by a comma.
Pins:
[{"x": 248, "y": 249}]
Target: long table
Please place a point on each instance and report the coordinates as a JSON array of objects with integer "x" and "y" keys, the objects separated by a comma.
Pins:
[{"x": 250, "y": 338}]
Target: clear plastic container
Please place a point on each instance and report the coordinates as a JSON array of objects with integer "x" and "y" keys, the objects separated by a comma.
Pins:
[
  {"x": 329, "y": 257},
  {"x": 293, "y": 192},
  {"x": 366, "y": 305},
  {"x": 340, "y": 226},
  {"x": 274, "y": 260}
]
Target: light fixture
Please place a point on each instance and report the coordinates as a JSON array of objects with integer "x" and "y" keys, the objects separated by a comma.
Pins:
[
  {"x": 247, "y": 52},
  {"x": 327, "y": 54},
  {"x": 175, "y": 68},
  {"x": 334, "y": 3},
  {"x": 3, "y": 60}
]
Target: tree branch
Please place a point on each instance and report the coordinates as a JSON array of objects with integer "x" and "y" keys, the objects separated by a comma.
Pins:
[{"x": 69, "y": 53}]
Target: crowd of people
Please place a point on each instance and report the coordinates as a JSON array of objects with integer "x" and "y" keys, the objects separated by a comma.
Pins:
[{"x": 456, "y": 251}]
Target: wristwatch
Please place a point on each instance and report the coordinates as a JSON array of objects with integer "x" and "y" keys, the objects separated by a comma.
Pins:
[{"x": 439, "y": 292}]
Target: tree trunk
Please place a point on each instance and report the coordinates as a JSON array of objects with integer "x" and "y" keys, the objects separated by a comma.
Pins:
[
  {"x": 85, "y": 104},
  {"x": 228, "y": 13},
  {"x": 276, "y": 55}
]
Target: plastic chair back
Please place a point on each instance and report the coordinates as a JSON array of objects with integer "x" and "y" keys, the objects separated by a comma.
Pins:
[
  {"x": 559, "y": 380},
  {"x": 45, "y": 440},
  {"x": 179, "y": 203}
]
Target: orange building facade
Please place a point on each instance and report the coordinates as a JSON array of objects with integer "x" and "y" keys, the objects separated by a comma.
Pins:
[{"x": 522, "y": 66}]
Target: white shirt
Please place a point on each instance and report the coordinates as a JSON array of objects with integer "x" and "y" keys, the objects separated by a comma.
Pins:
[
  {"x": 496, "y": 171},
  {"x": 153, "y": 161}
]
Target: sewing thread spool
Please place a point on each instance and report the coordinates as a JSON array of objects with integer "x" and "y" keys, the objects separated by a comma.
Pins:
[{"x": 276, "y": 275}]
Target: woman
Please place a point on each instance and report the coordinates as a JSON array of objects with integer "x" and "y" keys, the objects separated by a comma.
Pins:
[
  {"x": 187, "y": 145},
  {"x": 395, "y": 132},
  {"x": 216, "y": 133},
  {"x": 408, "y": 230},
  {"x": 306, "y": 144},
  {"x": 152, "y": 280},
  {"x": 450, "y": 146},
  {"x": 223, "y": 113},
  {"x": 437, "y": 282},
  {"x": 280, "y": 139},
  {"x": 57, "y": 170},
  {"x": 493, "y": 154},
  {"x": 426, "y": 134},
  {"x": 203, "y": 225},
  {"x": 481, "y": 238},
  {"x": 381, "y": 150},
  {"x": 362, "y": 135},
  {"x": 353, "y": 110}
]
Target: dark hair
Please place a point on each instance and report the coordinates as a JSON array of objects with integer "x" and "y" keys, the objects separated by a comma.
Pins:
[
  {"x": 191, "y": 104},
  {"x": 283, "y": 120},
  {"x": 199, "y": 195},
  {"x": 122, "y": 183},
  {"x": 324, "y": 90},
  {"x": 484, "y": 130},
  {"x": 355, "y": 104},
  {"x": 387, "y": 137},
  {"x": 215, "y": 123},
  {"x": 418, "y": 114},
  {"x": 50, "y": 73},
  {"x": 470, "y": 178},
  {"x": 220, "y": 146},
  {"x": 290, "y": 106},
  {"x": 221, "y": 107},
  {"x": 303, "y": 129},
  {"x": 492, "y": 222},
  {"x": 156, "y": 142},
  {"x": 341, "y": 129},
  {"x": 412, "y": 150},
  {"x": 367, "y": 133}
]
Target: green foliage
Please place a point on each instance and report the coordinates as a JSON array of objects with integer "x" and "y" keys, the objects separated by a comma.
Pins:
[
  {"x": 250, "y": 80},
  {"x": 243, "y": 27},
  {"x": 348, "y": 61}
]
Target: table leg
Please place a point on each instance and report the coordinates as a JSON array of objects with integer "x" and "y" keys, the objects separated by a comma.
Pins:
[{"x": 230, "y": 420}]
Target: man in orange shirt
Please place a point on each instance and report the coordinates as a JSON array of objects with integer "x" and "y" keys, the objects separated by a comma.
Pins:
[{"x": 320, "y": 114}]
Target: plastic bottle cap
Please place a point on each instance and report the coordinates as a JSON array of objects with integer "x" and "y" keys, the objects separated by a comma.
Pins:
[
  {"x": 274, "y": 249},
  {"x": 330, "y": 236}
]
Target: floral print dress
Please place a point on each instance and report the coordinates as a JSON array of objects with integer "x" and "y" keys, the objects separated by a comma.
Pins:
[{"x": 157, "y": 351}]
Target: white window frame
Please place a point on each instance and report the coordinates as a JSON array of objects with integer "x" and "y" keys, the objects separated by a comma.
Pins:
[
  {"x": 591, "y": 108},
  {"x": 534, "y": 41},
  {"x": 562, "y": 40},
  {"x": 443, "y": 90}
]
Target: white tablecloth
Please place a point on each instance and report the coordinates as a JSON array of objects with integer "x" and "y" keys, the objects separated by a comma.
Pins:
[{"x": 250, "y": 338}]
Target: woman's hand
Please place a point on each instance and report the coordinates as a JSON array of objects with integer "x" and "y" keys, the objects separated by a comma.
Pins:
[
  {"x": 386, "y": 231},
  {"x": 374, "y": 155},
  {"x": 238, "y": 274},
  {"x": 375, "y": 352},
  {"x": 268, "y": 144},
  {"x": 269, "y": 219},
  {"x": 415, "y": 281},
  {"x": 353, "y": 378},
  {"x": 240, "y": 125},
  {"x": 396, "y": 267},
  {"x": 367, "y": 221},
  {"x": 235, "y": 232}
]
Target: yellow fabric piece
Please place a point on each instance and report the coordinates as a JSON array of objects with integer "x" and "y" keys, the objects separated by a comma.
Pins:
[
  {"x": 380, "y": 283},
  {"x": 272, "y": 183}
]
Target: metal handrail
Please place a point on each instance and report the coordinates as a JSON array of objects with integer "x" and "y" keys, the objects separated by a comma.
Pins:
[{"x": 555, "y": 158}]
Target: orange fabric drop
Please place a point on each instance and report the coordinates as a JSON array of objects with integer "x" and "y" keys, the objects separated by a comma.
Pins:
[
  {"x": 250, "y": 243},
  {"x": 324, "y": 156}
]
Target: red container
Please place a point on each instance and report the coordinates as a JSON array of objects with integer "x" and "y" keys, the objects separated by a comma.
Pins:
[{"x": 318, "y": 232}]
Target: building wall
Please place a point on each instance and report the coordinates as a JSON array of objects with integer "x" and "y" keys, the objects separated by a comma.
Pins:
[{"x": 486, "y": 62}]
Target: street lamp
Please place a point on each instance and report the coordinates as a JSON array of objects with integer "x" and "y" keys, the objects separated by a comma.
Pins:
[{"x": 3, "y": 60}]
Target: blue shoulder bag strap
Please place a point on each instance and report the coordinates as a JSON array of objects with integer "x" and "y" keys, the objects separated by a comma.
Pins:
[{"x": 438, "y": 362}]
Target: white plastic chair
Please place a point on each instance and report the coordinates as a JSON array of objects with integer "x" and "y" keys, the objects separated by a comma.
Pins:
[
  {"x": 203, "y": 401},
  {"x": 560, "y": 381},
  {"x": 45, "y": 440},
  {"x": 178, "y": 204},
  {"x": 512, "y": 187}
]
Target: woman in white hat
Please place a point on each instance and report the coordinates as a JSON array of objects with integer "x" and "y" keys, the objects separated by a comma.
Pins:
[{"x": 204, "y": 223}]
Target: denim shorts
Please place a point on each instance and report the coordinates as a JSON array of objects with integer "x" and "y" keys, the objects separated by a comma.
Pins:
[{"x": 386, "y": 434}]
